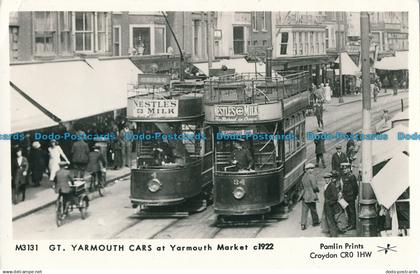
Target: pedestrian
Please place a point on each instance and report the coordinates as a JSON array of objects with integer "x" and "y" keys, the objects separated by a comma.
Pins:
[
  {"x": 96, "y": 164},
  {"x": 118, "y": 158},
  {"x": 385, "y": 116},
  {"x": 37, "y": 164},
  {"x": 125, "y": 137},
  {"x": 337, "y": 158},
  {"x": 395, "y": 85},
  {"x": 350, "y": 192},
  {"x": 331, "y": 206},
  {"x": 61, "y": 186},
  {"x": 375, "y": 92},
  {"x": 319, "y": 148},
  {"x": 328, "y": 93},
  {"x": 309, "y": 197},
  {"x": 319, "y": 93},
  {"x": 358, "y": 85},
  {"x": 319, "y": 114},
  {"x": 55, "y": 153},
  {"x": 80, "y": 154},
  {"x": 20, "y": 168}
]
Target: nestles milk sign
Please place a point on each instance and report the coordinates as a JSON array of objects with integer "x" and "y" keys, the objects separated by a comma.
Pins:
[
  {"x": 236, "y": 112},
  {"x": 150, "y": 108}
]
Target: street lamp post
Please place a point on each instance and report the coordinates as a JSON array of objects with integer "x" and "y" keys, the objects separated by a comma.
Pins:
[{"x": 367, "y": 209}]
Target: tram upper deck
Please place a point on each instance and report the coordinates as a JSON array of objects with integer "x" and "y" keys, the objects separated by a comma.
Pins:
[
  {"x": 254, "y": 97},
  {"x": 175, "y": 101}
]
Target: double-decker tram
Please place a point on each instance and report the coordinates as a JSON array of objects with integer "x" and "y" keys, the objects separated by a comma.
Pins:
[
  {"x": 173, "y": 173},
  {"x": 258, "y": 128}
]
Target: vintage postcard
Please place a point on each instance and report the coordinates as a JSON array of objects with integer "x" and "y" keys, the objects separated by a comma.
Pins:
[{"x": 192, "y": 134}]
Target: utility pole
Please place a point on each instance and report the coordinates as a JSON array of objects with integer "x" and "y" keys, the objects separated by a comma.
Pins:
[
  {"x": 210, "y": 34},
  {"x": 367, "y": 201},
  {"x": 338, "y": 43}
]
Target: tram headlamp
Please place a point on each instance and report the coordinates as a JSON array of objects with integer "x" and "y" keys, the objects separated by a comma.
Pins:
[
  {"x": 238, "y": 193},
  {"x": 154, "y": 185}
]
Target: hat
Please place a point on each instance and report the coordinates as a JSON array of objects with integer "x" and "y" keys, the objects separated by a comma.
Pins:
[
  {"x": 36, "y": 144},
  {"x": 338, "y": 147},
  {"x": 53, "y": 141},
  {"x": 345, "y": 165},
  {"x": 327, "y": 175},
  {"x": 309, "y": 165}
]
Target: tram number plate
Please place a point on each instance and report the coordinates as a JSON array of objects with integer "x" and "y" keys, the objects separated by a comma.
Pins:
[
  {"x": 238, "y": 182},
  {"x": 235, "y": 113}
]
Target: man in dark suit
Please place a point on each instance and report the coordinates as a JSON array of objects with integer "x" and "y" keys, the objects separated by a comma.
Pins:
[
  {"x": 338, "y": 158},
  {"x": 350, "y": 192},
  {"x": 80, "y": 152},
  {"x": 319, "y": 149},
  {"x": 19, "y": 172},
  {"x": 96, "y": 164},
  {"x": 330, "y": 204}
]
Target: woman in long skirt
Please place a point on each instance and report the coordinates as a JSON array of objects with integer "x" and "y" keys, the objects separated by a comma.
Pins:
[{"x": 56, "y": 153}]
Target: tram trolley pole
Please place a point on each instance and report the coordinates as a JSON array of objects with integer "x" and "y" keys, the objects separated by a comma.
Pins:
[{"x": 367, "y": 202}]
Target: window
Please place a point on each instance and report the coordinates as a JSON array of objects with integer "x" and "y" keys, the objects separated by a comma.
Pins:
[
  {"x": 263, "y": 22},
  {"x": 196, "y": 34},
  {"x": 326, "y": 38},
  {"x": 255, "y": 42},
  {"x": 284, "y": 42},
  {"x": 295, "y": 43},
  {"x": 301, "y": 35},
  {"x": 306, "y": 43},
  {"x": 141, "y": 40},
  {"x": 264, "y": 43},
  {"x": 65, "y": 44},
  {"x": 45, "y": 25},
  {"x": 102, "y": 34},
  {"x": 84, "y": 31},
  {"x": 254, "y": 21},
  {"x": 117, "y": 40},
  {"x": 238, "y": 40},
  {"x": 92, "y": 31}
]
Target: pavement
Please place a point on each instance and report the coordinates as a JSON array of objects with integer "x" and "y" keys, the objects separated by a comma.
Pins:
[{"x": 43, "y": 196}]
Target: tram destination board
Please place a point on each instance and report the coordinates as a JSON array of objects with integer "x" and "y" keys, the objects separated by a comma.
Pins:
[
  {"x": 154, "y": 79},
  {"x": 236, "y": 112}
]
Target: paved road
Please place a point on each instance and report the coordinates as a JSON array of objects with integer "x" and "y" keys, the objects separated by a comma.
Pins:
[{"x": 112, "y": 215}]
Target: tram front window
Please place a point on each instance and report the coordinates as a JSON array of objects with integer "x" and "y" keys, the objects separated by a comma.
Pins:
[
  {"x": 247, "y": 150},
  {"x": 174, "y": 144}
]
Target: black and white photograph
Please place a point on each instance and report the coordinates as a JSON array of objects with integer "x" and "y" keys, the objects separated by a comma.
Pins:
[{"x": 202, "y": 130}]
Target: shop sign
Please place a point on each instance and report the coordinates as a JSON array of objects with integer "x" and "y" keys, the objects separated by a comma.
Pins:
[
  {"x": 236, "y": 112},
  {"x": 150, "y": 108}
]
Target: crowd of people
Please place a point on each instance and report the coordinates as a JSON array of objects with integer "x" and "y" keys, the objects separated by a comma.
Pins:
[
  {"x": 31, "y": 159},
  {"x": 340, "y": 190}
]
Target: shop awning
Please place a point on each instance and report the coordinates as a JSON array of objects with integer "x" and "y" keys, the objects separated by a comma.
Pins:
[
  {"x": 387, "y": 149},
  {"x": 348, "y": 67},
  {"x": 392, "y": 180},
  {"x": 25, "y": 116},
  {"x": 239, "y": 64},
  {"x": 397, "y": 62},
  {"x": 76, "y": 89}
]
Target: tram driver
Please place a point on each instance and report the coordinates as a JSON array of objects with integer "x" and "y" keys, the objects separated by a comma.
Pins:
[{"x": 242, "y": 157}]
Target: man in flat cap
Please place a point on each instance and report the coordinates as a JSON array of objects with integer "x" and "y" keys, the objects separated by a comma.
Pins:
[
  {"x": 309, "y": 196},
  {"x": 337, "y": 158},
  {"x": 350, "y": 192}
]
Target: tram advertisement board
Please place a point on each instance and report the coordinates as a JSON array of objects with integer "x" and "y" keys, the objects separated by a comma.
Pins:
[
  {"x": 152, "y": 108},
  {"x": 236, "y": 112}
]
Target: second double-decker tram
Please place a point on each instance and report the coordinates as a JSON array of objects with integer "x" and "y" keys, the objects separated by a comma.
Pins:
[
  {"x": 174, "y": 160},
  {"x": 254, "y": 167}
]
